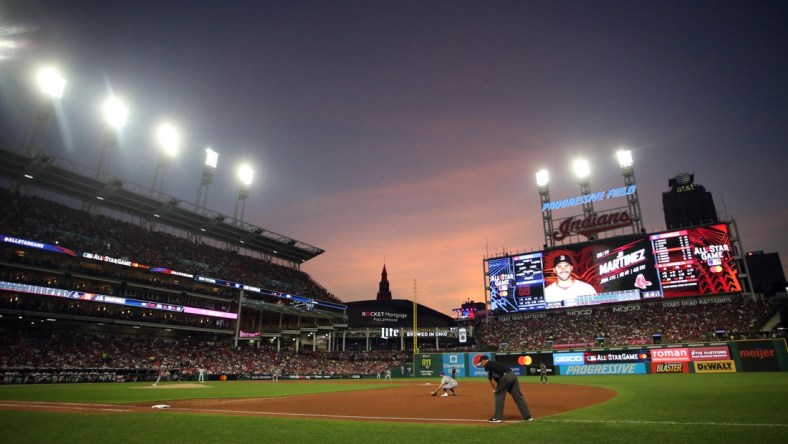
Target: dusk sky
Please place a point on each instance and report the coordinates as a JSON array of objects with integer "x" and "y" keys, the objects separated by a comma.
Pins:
[{"x": 410, "y": 131}]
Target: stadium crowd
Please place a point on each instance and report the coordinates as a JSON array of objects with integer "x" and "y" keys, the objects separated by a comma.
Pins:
[
  {"x": 82, "y": 357},
  {"x": 45, "y": 355},
  {"x": 73, "y": 356},
  {"x": 722, "y": 319},
  {"x": 42, "y": 220}
]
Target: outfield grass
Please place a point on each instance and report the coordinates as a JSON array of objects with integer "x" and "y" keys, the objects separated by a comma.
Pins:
[{"x": 685, "y": 408}]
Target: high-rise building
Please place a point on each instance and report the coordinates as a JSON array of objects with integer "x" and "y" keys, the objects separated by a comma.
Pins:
[
  {"x": 766, "y": 272},
  {"x": 384, "y": 294},
  {"x": 687, "y": 203}
]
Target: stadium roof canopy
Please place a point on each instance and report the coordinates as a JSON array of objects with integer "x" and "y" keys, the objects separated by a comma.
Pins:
[
  {"x": 295, "y": 311},
  {"x": 87, "y": 185}
]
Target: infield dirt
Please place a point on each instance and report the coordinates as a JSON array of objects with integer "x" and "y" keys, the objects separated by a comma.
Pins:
[
  {"x": 402, "y": 402},
  {"x": 407, "y": 403}
]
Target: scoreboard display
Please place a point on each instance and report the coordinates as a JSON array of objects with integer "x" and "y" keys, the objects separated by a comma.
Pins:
[
  {"x": 695, "y": 261},
  {"x": 689, "y": 262}
]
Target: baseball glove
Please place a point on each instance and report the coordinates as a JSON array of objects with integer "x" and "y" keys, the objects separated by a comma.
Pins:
[{"x": 435, "y": 393}]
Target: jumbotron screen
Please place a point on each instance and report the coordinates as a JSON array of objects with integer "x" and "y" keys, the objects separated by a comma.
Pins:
[{"x": 688, "y": 262}]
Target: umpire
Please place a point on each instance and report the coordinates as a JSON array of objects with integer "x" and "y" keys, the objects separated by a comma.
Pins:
[{"x": 504, "y": 382}]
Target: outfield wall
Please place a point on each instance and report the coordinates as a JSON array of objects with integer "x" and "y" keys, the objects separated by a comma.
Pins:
[{"x": 758, "y": 355}]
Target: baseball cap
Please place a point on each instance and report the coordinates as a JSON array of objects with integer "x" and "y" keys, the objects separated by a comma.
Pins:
[
  {"x": 562, "y": 258},
  {"x": 443, "y": 373},
  {"x": 484, "y": 358}
]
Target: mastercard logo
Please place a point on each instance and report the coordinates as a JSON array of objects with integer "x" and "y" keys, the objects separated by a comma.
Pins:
[{"x": 524, "y": 360}]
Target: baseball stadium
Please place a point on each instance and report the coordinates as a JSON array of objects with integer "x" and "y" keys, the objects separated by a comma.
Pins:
[
  {"x": 130, "y": 315},
  {"x": 116, "y": 329}
]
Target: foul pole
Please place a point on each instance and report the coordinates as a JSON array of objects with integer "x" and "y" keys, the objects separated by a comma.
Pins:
[{"x": 415, "y": 322}]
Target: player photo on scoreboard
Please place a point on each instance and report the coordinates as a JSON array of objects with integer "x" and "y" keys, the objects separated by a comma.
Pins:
[
  {"x": 569, "y": 275},
  {"x": 610, "y": 270},
  {"x": 688, "y": 262},
  {"x": 626, "y": 264}
]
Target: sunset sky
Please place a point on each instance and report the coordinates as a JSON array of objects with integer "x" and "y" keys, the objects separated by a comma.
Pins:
[{"x": 409, "y": 132}]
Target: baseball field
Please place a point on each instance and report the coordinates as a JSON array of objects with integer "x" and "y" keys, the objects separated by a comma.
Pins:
[{"x": 689, "y": 408}]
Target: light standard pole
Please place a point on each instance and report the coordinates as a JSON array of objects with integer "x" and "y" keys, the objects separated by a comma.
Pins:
[
  {"x": 51, "y": 84},
  {"x": 582, "y": 172},
  {"x": 208, "y": 169},
  {"x": 245, "y": 176},
  {"x": 542, "y": 184},
  {"x": 115, "y": 114},
  {"x": 169, "y": 140},
  {"x": 633, "y": 202}
]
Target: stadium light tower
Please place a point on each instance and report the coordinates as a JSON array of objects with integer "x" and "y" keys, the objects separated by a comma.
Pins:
[
  {"x": 583, "y": 173},
  {"x": 208, "y": 170},
  {"x": 245, "y": 176},
  {"x": 633, "y": 202},
  {"x": 169, "y": 141},
  {"x": 542, "y": 184},
  {"x": 624, "y": 160},
  {"x": 115, "y": 115},
  {"x": 51, "y": 85}
]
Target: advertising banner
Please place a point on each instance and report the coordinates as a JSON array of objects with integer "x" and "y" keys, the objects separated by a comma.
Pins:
[
  {"x": 517, "y": 362},
  {"x": 428, "y": 364},
  {"x": 618, "y": 356},
  {"x": 603, "y": 369},
  {"x": 670, "y": 367},
  {"x": 475, "y": 368},
  {"x": 758, "y": 356},
  {"x": 710, "y": 353},
  {"x": 569, "y": 359},
  {"x": 404, "y": 369},
  {"x": 715, "y": 367},
  {"x": 454, "y": 361},
  {"x": 527, "y": 364},
  {"x": 533, "y": 362},
  {"x": 670, "y": 355}
]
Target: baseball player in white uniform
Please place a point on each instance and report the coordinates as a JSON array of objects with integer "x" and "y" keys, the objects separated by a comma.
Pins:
[{"x": 566, "y": 288}]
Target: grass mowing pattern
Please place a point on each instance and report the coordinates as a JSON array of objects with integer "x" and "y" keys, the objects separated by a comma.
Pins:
[{"x": 688, "y": 408}]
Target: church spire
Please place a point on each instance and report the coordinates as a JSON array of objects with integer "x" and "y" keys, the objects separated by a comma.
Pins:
[{"x": 384, "y": 294}]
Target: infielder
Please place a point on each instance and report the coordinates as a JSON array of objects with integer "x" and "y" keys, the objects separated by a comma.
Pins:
[
  {"x": 447, "y": 383},
  {"x": 542, "y": 373}
]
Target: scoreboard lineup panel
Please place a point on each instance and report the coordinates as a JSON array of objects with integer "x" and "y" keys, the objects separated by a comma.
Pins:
[
  {"x": 695, "y": 261},
  {"x": 674, "y": 260},
  {"x": 528, "y": 279}
]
